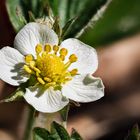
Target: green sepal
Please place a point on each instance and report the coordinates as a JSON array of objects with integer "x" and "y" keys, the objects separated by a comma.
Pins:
[
  {"x": 56, "y": 27},
  {"x": 64, "y": 113},
  {"x": 67, "y": 27},
  {"x": 31, "y": 17},
  {"x": 58, "y": 132},
  {"x": 18, "y": 94},
  {"x": 134, "y": 134},
  {"x": 30, "y": 82},
  {"x": 75, "y": 135},
  {"x": 41, "y": 134}
]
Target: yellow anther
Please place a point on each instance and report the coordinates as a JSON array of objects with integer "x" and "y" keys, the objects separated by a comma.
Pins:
[
  {"x": 36, "y": 69},
  {"x": 73, "y": 72},
  {"x": 44, "y": 54},
  {"x": 68, "y": 79},
  {"x": 38, "y": 48},
  {"x": 48, "y": 67},
  {"x": 47, "y": 79},
  {"x": 73, "y": 58},
  {"x": 55, "y": 48},
  {"x": 62, "y": 57},
  {"x": 37, "y": 74},
  {"x": 50, "y": 84},
  {"x": 32, "y": 64},
  {"x": 40, "y": 80},
  {"x": 47, "y": 48},
  {"x": 63, "y": 51},
  {"x": 27, "y": 69},
  {"x": 28, "y": 58}
]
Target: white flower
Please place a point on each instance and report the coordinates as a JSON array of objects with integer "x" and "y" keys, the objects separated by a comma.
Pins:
[{"x": 60, "y": 72}]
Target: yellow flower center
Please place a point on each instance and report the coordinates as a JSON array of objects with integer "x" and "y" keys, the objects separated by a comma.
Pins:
[{"x": 48, "y": 67}]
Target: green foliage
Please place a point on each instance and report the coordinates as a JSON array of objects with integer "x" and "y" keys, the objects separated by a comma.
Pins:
[
  {"x": 82, "y": 11},
  {"x": 104, "y": 20},
  {"x": 15, "y": 14},
  {"x": 134, "y": 134},
  {"x": 120, "y": 19},
  {"x": 58, "y": 132},
  {"x": 75, "y": 135},
  {"x": 23, "y": 11},
  {"x": 40, "y": 134}
]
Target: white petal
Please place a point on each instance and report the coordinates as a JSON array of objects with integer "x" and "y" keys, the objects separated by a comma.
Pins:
[
  {"x": 33, "y": 34},
  {"x": 87, "y": 56},
  {"x": 11, "y": 62},
  {"x": 49, "y": 101},
  {"x": 84, "y": 88}
]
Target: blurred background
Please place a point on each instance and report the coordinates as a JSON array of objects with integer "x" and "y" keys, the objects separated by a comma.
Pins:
[{"x": 116, "y": 36}]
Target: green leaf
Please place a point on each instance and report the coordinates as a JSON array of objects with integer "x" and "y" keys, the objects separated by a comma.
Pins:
[
  {"x": 85, "y": 14},
  {"x": 40, "y": 134},
  {"x": 84, "y": 11},
  {"x": 134, "y": 134},
  {"x": 15, "y": 12},
  {"x": 22, "y": 11},
  {"x": 58, "y": 132},
  {"x": 75, "y": 135},
  {"x": 120, "y": 20},
  {"x": 18, "y": 94}
]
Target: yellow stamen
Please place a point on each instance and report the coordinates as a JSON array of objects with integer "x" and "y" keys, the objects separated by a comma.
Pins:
[
  {"x": 47, "y": 48},
  {"x": 32, "y": 65},
  {"x": 73, "y": 58},
  {"x": 68, "y": 79},
  {"x": 48, "y": 68},
  {"x": 28, "y": 58},
  {"x": 47, "y": 79},
  {"x": 44, "y": 54},
  {"x": 27, "y": 69},
  {"x": 37, "y": 74},
  {"x": 63, "y": 52},
  {"x": 50, "y": 84},
  {"x": 40, "y": 80},
  {"x": 55, "y": 49},
  {"x": 73, "y": 72},
  {"x": 62, "y": 57},
  {"x": 38, "y": 48}
]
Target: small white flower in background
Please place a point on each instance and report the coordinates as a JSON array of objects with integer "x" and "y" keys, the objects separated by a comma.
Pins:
[{"x": 60, "y": 72}]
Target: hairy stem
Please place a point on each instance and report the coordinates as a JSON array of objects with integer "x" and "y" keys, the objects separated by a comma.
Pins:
[{"x": 30, "y": 122}]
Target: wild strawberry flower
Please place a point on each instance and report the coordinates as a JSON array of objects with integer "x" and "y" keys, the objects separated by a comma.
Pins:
[{"x": 60, "y": 72}]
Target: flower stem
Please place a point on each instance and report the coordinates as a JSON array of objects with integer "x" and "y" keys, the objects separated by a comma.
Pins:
[{"x": 30, "y": 122}]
